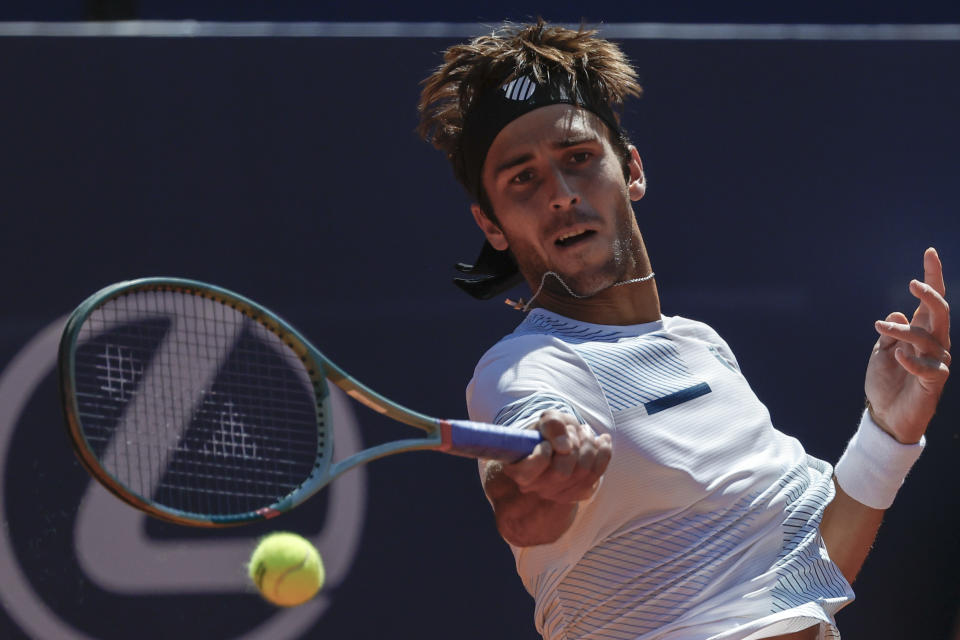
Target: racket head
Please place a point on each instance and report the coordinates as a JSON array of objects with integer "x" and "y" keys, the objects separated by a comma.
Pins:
[{"x": 193, "y": 403}]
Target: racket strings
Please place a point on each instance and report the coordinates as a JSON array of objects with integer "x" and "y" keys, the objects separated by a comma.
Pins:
[{"x": 192, "y": 405}]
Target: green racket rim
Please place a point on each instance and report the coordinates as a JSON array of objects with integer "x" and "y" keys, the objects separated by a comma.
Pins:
[{"x": 312, "y": 359}]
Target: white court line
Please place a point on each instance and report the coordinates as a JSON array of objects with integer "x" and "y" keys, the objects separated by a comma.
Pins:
[{"x": 621, "y": 31}]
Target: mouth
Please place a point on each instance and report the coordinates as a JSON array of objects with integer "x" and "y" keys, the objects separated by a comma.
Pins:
[{"x": 571, "y": 238}]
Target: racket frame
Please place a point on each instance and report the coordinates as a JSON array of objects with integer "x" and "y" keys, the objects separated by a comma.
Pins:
[{"x": 319, "y": 368}]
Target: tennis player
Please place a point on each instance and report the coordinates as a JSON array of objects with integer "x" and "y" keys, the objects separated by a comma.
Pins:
[{"x": 662, "y": 503}]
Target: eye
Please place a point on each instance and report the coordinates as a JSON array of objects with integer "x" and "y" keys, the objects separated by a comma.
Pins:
[
  {"x": 579, "y": 157},
  {"x": 524, "y": 176}
]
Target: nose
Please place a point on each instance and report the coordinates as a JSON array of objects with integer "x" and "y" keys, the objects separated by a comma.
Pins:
[{"x": 564, "y": 192}]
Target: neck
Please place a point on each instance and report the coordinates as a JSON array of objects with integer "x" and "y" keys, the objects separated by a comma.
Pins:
[{"x": 621, "y": 304}]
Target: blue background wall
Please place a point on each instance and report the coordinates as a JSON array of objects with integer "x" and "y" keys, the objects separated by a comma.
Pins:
[{"x": 793, "y": 188}]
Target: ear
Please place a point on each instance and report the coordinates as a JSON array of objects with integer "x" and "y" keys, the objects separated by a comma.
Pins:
[
  {"x": 637, "y": 186},
  {"x": 490, "y": 228}
]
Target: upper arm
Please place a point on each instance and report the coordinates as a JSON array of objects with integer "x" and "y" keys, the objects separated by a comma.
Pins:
[
  {"x": 513, "y": 384},
  {"x": 517, "y": 380}
]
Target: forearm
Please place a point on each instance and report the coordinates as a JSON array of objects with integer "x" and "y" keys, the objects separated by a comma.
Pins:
[
  {"x": 849, "y": 529},
  {"x": 867, "y": 478},
  {"x": 525, "y": 519}
]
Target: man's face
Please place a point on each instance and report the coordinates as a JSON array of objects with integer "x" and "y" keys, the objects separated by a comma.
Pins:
[{"x": 558, "y": 192}]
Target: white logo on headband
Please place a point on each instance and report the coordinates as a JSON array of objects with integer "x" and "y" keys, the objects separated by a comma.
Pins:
[{"x": 519, "y": 89}]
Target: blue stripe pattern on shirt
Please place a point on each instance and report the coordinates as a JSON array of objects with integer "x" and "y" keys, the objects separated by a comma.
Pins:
[
  {"x": 802, "y": 572},
  {"x": 646, "y": 370},
  {"x": 644, "y": 578},
  {"x": 640, "y": 370},
  {"x": 528, "y": 409},
  {"x": 566, "y": 331}
]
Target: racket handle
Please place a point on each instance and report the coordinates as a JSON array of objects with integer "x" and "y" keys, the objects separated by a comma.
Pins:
[{"x": 492, "y": 442}]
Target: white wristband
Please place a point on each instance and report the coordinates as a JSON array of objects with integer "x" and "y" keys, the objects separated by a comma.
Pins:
[{"x": 875, "y": 464}]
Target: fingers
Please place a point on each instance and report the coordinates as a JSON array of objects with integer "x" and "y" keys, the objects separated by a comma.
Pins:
[
  {"x": 935, "y": 306},
  {"x": 924, "y": 342},
  {"x": 583, "y": 483},
  {"x": 928, "y": 370},
  {"x": 933, "y": 271},
  {"x": 567, "y": 465},
  {"x": 887, "y": 341},
  {"x": 561, "y": 429},
  {"x": 932, "y": 316},
  {"x": 526, "y": 470},
  {"x": 581, "y": 480},
  {"x": 915, "y": 349}
]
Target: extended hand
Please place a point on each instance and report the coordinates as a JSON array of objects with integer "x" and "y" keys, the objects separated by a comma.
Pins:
[
  {"x": 566, "y": 467},
  {"x": 910, "y": 362}
]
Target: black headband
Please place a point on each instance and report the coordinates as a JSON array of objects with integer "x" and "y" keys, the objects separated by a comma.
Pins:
[
  {"x": 492, "y": 111},
  {"x": 496, "y": 271}
]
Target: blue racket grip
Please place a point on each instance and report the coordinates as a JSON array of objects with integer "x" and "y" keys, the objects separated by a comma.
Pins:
[{"x": 492, "y": 442}]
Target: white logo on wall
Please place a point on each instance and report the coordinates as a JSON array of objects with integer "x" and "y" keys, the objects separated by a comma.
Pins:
[
  {"x": 519, "y": 89},
  {"x": 114, "y": 551}
]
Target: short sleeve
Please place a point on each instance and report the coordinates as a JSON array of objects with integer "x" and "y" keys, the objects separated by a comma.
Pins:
[{"x": 520, "y": 378}]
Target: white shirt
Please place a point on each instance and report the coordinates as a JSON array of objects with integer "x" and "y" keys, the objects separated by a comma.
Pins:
[{"x": 706, "y": 521}]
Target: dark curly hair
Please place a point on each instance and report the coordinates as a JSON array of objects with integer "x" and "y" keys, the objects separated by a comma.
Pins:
[{"x": 541, "y": 50}]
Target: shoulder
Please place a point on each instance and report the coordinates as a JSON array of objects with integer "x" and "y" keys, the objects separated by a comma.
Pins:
[
  {"x": 521, "y": 368},
  {"x": 690, "y": 328},
  {"x": 680, "y": 326},
  {"x": 702, "y": 332},
  {"x": 526, "y": 353},
  {"x": 535, "y": 352}
]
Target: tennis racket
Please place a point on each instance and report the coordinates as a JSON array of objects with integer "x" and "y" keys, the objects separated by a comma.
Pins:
[{"x": 201, "y": 407}]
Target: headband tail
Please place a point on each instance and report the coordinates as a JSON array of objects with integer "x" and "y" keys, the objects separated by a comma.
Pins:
[{"x": 492, "y": 273}]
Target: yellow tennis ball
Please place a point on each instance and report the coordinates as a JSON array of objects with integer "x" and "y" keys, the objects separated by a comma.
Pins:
[{"x": 286, "y": 569}]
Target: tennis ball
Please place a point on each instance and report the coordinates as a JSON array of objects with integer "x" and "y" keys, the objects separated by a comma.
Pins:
[{"x": 286, "y": 569}]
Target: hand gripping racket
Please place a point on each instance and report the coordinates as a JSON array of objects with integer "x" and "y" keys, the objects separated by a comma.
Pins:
[{"x": 201, "y": 407}]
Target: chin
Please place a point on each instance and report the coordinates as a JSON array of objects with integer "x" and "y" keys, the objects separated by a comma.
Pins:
[{"x": 585, "y": 285}]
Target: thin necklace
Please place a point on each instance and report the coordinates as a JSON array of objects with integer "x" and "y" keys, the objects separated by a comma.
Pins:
[{"x": 520, "y": 305}]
